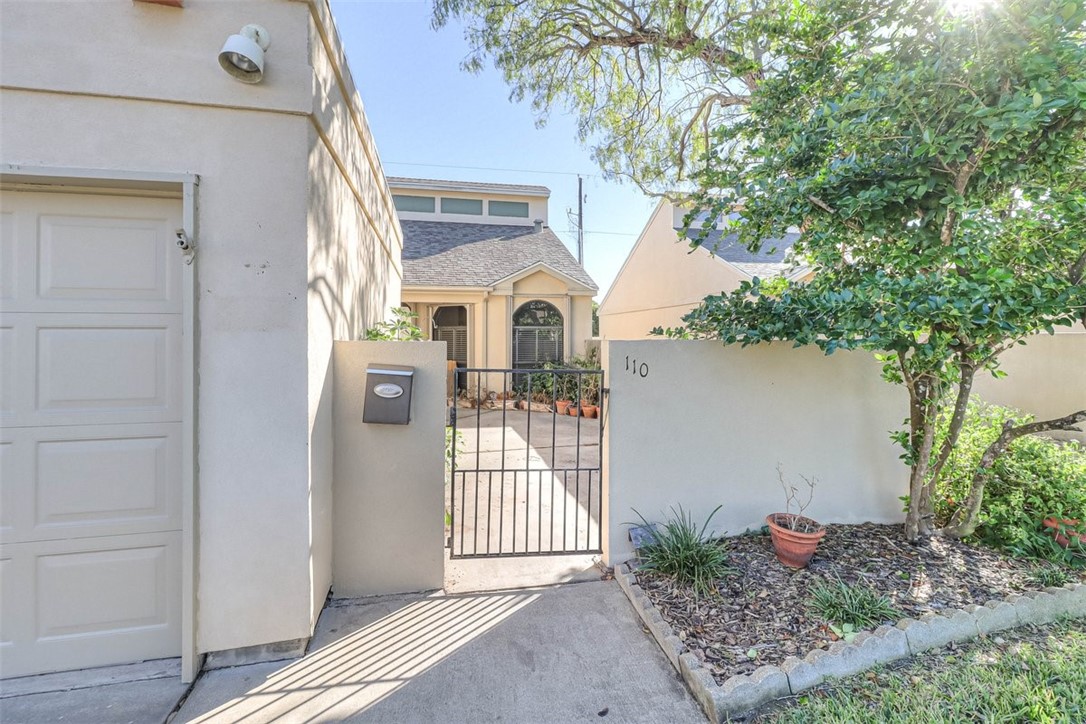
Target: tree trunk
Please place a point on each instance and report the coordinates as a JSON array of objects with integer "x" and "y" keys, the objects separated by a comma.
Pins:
[
  {"x": 957, "y": 419},
  {"x": 964, "y": 520},
  {"x": 922, "y": 436}
]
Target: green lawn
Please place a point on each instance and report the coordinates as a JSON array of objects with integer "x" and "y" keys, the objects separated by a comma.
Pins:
[{"x": 1028, "y": 675}]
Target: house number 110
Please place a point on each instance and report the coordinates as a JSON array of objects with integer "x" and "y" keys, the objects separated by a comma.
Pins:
[{"x": 633, "y": 368}]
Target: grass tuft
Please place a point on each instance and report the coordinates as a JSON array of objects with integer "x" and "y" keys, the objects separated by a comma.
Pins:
[
  {"x": 1049, "y": 576},
  {"x": 857, "y": 605},
  {"x": 681, "y": 550}
]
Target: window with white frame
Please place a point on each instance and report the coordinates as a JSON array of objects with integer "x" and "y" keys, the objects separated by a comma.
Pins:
[{"x": 537, "y": 335}]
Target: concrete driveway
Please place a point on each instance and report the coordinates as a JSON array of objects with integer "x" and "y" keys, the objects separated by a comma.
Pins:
[{"x": 572, "y": 653}]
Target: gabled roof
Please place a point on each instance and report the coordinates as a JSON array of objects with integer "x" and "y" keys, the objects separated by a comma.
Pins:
[
  {"x": 770, "y": 260},
  {"x": 402, "y": 182},
  {"x": 448, "y": 254}
]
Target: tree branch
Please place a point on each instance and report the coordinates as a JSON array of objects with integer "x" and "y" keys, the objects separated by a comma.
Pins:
[{"x": 964, "y": 520}]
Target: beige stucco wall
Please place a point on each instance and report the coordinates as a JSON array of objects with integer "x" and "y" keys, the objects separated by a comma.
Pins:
[
  {"x": 354, "y": 246},
  {"x": 661, "y": 281},
  {"x": 279, "y": 239},
  {"x": 389, "y": 479},
  {"x": 1046, "y": 377},
  {"x": 708, "y": 425}
]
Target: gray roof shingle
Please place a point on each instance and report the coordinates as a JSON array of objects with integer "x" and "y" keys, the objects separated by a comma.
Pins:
[
  {"x": 771, "y": 259},
  {"x": 442, "y": 253}
]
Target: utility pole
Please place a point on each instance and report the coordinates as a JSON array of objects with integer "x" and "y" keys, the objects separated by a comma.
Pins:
[{"x": 580, "y": 221}]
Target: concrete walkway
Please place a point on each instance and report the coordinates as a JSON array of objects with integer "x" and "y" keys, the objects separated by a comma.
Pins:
[
  {"x": 571, "y": 653},
  {"x": 144, "y": 692}
]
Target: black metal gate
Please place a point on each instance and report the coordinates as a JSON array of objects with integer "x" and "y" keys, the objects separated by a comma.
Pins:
[{"x": 526, "y": 474}]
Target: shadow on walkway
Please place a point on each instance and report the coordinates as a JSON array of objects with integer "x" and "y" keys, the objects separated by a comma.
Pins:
[{"x": 558, "y": 654}]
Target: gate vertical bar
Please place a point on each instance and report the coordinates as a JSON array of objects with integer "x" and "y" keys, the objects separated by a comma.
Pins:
[
  {"x": 603, "y": 394},
  {"x": 527, "y": 468},
  {"x": 501, "y": 474},
  {"x": 454, "y": 518},
  {"x": 577, "y": 475}
]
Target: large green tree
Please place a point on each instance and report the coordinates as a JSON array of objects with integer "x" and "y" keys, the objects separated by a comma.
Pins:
[
  {"x": 934, "y": 158},
  {"x": 647, "y": 81}
]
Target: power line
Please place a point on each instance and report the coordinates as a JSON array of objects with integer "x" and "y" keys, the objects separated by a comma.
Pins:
[{"x": 491, "y": 168}]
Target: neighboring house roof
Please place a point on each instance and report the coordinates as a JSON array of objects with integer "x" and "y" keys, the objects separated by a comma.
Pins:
[
  {"x": 449, "y": 254},
  {"x": 770, "y": 260},
  {"x": 468, "y": 186}
]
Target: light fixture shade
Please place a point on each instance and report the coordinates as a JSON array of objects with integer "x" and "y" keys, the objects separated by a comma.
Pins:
[{"x": 242, "y": 56}]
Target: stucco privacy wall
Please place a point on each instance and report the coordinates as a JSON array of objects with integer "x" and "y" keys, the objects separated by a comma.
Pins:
[
  {"x": 1046, "y": 378},
  {"x": 389, "y": 479},
  {"x": 276, "y": 250},
  {"x": 699, "y": 425},
  {"x": 354, "y": 246}
]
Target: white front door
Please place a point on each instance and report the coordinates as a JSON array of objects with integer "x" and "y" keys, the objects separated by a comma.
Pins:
[{"x": 90, "y": 454}]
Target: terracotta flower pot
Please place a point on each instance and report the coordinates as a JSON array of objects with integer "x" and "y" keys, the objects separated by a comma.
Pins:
[
  {"x": 562, "y": 406},
  {"x": 590, "y": 410},
  {"x": 574, "y": 410},
  {"x": 794, "y": 548},
  {"x": 1053, "y": 527}
]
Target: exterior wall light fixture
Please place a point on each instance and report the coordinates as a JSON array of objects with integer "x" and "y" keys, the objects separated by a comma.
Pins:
[{"x": 242, "y": 56}]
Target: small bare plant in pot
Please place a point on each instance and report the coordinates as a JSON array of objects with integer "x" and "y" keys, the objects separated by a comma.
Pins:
[{"x": 795, "y": 536}]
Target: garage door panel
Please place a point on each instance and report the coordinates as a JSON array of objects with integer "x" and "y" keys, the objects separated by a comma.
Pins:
[
  {"x": 106, "y": 259},
  {"x": 82, "y": 482},
  {"x": 108, "y": 367},
  {"x": 9, "y": 604},
  {"x": 7, "y": 256},
  {"x": 90, "y": 592},
  {"x": 9, "y": 382},
  {"x": 68, "y": 251},
  {"x": 88, "y": 484},
  {"x": 86, "y": 369},
  {"x": 9, "y": 506},
  {"x": 92, "y": 602}
]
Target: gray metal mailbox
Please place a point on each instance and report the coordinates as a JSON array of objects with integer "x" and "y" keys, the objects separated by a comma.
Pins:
[{"x": 388, "y": 394}]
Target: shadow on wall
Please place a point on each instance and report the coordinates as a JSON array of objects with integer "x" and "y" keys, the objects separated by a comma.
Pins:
[
  {"x": 368, "y": 665},
  {"x": 352, "y": 260}
]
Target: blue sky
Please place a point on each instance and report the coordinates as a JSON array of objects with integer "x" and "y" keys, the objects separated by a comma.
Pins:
[{"x": 424, "y": 110}]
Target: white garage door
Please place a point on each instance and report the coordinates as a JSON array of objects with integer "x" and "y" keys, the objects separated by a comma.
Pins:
[{"x": 90, "y": 403}]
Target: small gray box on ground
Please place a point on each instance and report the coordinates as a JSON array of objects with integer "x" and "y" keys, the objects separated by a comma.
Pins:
[{"x": 388, "y": 394}]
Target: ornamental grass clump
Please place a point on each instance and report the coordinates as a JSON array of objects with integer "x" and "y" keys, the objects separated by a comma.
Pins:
[
  {"x": 681, "y": 550},
  {"x": 1050, "y": 577},
  {"x": 852, "y": 605}
]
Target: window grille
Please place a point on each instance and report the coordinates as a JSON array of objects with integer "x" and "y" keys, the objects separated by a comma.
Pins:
[{"x": 537, "y": 335}]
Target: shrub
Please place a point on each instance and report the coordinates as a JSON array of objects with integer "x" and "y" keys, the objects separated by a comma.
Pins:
[
  {"x": 1034, "y": 479},
  {"x": 681, "y": 550},
  {"x": 402, "y": 327},
  {"x": 851, "y": 605}
]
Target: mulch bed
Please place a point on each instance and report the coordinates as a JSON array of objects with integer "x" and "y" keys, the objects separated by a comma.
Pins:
[{"x": 761, "y": 615}]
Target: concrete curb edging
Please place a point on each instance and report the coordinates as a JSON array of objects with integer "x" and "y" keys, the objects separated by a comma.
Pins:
[{"x": 741, "y": 693}]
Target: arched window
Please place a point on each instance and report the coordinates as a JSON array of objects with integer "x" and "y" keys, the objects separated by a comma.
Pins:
[{"x": 537, "y": 335}]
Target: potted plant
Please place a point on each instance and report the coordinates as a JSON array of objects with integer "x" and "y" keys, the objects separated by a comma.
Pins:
[
  {"x": 563, "y": 396},
  {"x": 795, "y": 536},
  {"x": 590, "y": 395},
  {"x": 1064, "y": 530}
]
